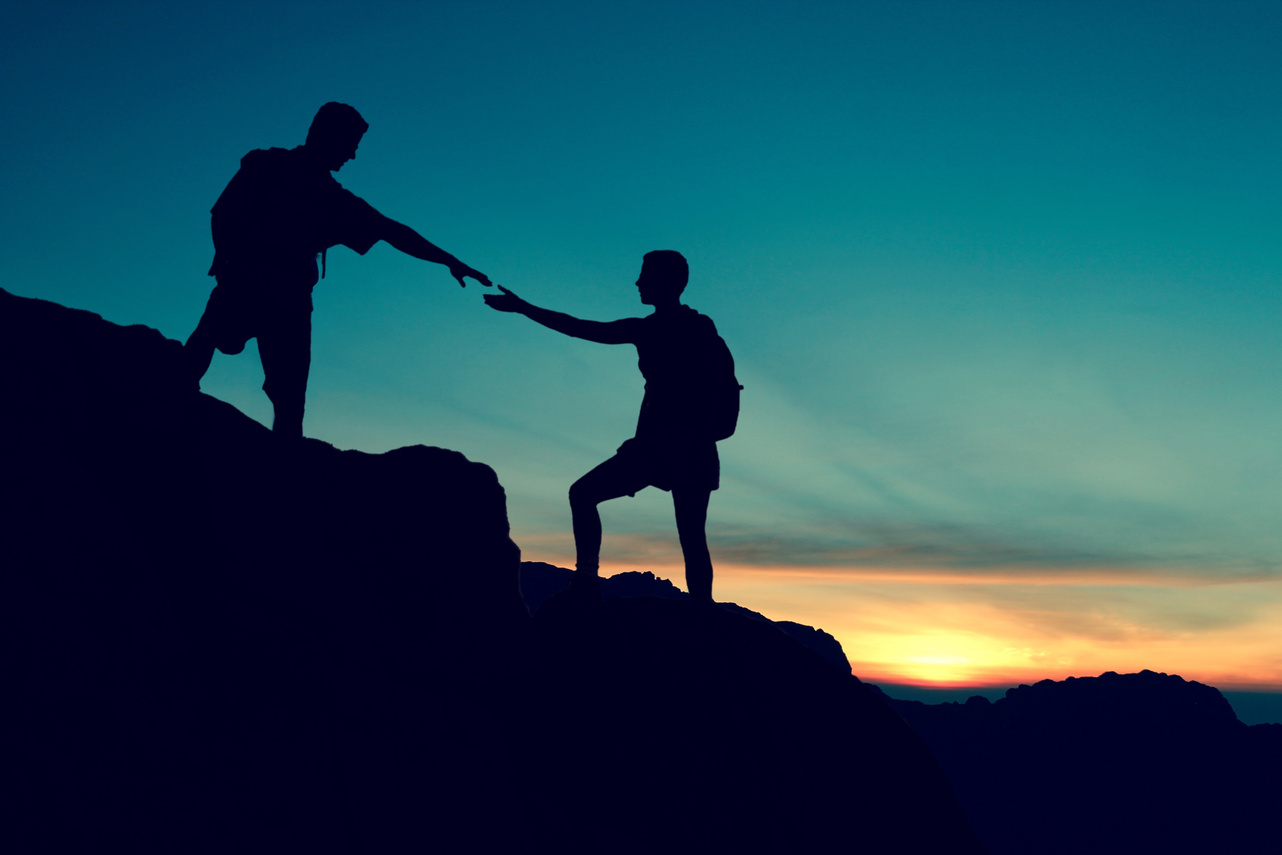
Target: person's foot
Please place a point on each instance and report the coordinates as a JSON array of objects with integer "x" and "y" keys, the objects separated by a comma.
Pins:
[
  {"x": 287, "y": 440},
  {"x": 189, "y": 375},
  {"x": 703, "y": 605},
  {"x": 287, "y": 430},
  {"x": 585, "y": 587},
  {"x": 194, "y": 362}
]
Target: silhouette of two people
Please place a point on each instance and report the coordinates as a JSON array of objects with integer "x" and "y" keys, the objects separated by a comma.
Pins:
[
  {"x": 283, "y": 211},
  {"x": 280, "y": 212},
  {"x": 691, "y": 401}
]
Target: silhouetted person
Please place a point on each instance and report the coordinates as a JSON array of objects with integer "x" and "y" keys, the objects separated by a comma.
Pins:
[
  {"x": 691, "y": 400},
  {"x": 278, "y": 213}
]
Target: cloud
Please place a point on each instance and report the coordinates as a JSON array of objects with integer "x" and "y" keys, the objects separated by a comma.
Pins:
[{"x": 1074, "y": 482}]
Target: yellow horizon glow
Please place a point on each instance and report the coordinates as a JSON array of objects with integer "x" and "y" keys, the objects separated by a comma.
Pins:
[{"x": 941, "y": 629}]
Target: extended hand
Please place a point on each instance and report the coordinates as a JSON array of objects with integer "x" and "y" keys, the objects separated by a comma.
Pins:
[
  {"x": 458, "y": 270},
  {"x": 505, "y": 302}
]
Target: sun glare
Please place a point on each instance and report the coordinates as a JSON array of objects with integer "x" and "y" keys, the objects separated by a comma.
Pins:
[{"x": 932, "y": 630}]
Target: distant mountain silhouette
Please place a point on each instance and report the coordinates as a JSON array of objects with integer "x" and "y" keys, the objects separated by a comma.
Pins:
[
  {"x": 224, "y": 643},
  {"x": 1111, "y": 764}
]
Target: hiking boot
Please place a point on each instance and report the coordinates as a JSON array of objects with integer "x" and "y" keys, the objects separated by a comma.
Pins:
[{"x": 585, "y": 587}]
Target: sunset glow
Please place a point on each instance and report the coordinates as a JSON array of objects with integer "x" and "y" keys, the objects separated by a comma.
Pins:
[
  {"x": 1001, "y": 281},
  {"x": 942, "y": 630}
]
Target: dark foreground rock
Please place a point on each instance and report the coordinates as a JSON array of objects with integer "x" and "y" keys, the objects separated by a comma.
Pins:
[
  {"x": 224, "y": 645},
  {"x": 219, "y": 644},
  {"x": 1119, "y": 763},
  {"x": 540, "y": 581},
  {"x": 688, "y": 728}
]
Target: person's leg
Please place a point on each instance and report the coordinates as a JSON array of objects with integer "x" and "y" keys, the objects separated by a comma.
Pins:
[
  {"x": 223, "y": 325},
  {"x": 285, "y": 348},
  {"x": 614, "y": 478},
  {"x": 691, "y": 506},
  {"x": 198, "y": 351}
]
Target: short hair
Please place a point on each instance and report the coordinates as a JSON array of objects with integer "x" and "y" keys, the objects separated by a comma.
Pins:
[
  {"x": 335, "y": 121},
  {"x": 669, "y": 266}
]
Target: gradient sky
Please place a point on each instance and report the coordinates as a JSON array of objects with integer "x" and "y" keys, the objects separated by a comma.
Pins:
[{"x": 1001, "y": 280}]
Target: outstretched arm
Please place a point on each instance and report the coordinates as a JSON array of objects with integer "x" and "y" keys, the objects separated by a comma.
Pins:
[
  {"x": 410, "y": 242},
  {"x": 605, "y": 332}
]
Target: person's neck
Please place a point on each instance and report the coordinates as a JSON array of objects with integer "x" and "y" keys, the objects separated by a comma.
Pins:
[
  {"x": 312, "y": 156},
  {"x": 667, "y": 307}
]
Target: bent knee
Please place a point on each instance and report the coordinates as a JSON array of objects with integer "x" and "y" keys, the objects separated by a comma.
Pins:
[{"x": 581, "y": 495}]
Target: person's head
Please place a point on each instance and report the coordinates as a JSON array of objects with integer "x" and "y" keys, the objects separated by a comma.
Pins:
[
  {"x": 335, "y": 133},
  {"x": 664, "y": 274}
]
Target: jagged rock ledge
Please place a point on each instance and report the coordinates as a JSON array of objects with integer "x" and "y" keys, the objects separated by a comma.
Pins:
[
  {"x": 540, "y": 581},
  {"x": 230, "y": 645}
]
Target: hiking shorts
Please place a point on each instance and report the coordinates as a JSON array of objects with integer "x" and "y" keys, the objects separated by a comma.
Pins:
[
  {"x": 637, "y": 465},
  {"x": 281, "y": 320}
]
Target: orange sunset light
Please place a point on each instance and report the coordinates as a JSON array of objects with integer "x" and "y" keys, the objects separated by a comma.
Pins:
[{"x": 929, "y": 628}]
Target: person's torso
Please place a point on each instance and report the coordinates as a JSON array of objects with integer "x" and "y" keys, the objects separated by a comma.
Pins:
[
  {"x": 273, "y": 218},
  {"x": 673, "y": 356}
]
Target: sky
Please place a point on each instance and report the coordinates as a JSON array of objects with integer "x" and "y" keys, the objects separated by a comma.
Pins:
[{"x": 1001, "y": 281}]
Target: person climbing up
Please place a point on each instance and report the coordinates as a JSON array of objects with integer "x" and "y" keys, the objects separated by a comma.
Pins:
[
  {"x": 280, "y": 212},
  {"x": 691, "y": 401}
]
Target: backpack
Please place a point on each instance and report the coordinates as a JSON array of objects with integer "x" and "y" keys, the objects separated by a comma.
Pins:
[
  {"x": 691, "y": 388},
  {"x": 720, "y": 413}
]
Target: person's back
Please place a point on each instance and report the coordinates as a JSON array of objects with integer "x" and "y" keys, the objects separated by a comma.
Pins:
[
  {"x": 280, "y": 211},
  {"x": 687, "y": 369}
]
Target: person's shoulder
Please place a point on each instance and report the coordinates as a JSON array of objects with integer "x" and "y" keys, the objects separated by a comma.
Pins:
[
  {"x": 648, "y": 324},
  {"x": 697, "y": 320},
  {"x": 264, "y": 157}
]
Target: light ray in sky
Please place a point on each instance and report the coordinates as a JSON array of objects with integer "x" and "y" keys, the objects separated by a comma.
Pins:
[{"x": 1001, "y": 281}]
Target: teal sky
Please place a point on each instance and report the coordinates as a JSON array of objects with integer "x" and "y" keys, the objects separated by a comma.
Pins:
[{"x": 1001, "y": 278}]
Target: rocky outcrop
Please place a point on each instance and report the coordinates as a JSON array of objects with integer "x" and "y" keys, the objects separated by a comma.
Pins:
[
  {"x": 1119, "y": 763},
  {"x": 540, "y": 581},
  {"x": 676, "y": 725},
  {"x": 225, "y": 644},
  {"x": 226, "y": 641}
]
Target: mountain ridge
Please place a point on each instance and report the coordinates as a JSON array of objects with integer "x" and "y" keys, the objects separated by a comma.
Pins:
[
  {"x": 227, "y": 643},
  {"x": 1110, "y": 763}
]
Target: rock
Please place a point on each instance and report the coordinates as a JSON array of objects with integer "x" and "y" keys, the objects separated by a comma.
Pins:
[
  {"x": 747, "y": 740},
  {"x": 540, "y": 581},
  {"x": 228, "y": 644},
  {"x": 228, "y": 640},
  {"x": 1118, "y": 763}
]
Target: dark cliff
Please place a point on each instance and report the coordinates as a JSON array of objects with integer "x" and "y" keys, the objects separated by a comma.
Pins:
[
  {"x": 223, "y": 644},
  {"x": 225, "y": 641}
]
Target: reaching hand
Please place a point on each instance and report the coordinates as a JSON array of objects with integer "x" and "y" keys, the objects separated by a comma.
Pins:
[
  {"x": 505, "y": 302},
  {"x": 458, "y": 270}
]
